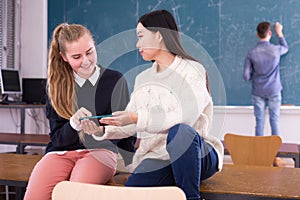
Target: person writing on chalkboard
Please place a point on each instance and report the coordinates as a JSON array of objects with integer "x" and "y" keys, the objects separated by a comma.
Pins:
[
  {"x": 77, "y": 87},
  {"x": 262, "y": 68},
  {"x": 171, "y": 111}
]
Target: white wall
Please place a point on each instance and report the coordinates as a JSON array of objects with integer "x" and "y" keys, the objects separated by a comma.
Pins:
[
  {"x": 34, "y": 33},
  {"x": 32, "y": 61},
  {"x": 241, "y": 120},
  {"x": 34, "y": 53}
]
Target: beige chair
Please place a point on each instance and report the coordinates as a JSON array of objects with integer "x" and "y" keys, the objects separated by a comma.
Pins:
[
  {"x": 252, "y": 150},
  {"x": 83, "y": 191}
]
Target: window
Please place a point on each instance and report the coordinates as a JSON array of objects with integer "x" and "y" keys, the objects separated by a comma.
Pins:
[{"x": 7, "y": 33}]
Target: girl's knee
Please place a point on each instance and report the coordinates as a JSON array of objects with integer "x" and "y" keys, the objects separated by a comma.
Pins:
[{"x": 178, "y": 129}]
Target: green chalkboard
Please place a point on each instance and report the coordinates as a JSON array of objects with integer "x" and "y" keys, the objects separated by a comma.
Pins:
[{"x": 223, "y": 31}]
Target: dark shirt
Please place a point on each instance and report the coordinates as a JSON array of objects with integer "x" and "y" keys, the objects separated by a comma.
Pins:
[
  {"x": 111, "y": 95},
  {"x": 262, "y": 67}
]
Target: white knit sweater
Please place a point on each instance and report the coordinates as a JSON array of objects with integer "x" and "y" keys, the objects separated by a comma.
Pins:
[{"x": 176, "y": 95}]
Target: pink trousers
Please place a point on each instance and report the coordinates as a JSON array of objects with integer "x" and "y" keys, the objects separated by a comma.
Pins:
[{"x": 87, "y": 166}]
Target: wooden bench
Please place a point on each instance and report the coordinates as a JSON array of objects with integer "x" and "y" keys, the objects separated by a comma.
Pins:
[
  {"x": 23, "y": 139},
  {"x": 287, "y": 150}
]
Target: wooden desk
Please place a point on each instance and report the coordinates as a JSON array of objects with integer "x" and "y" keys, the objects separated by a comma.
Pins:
[
  {"x": 290, "y": 150},
  {"x": 22, "y": 108},
  {"x": 21, "y": 140},
  {"x": 286, "y": 150},
  {"x": 15, "y": 170},
  {"x": 33, "y": 140},
  {"x": 252, "y": 182}
]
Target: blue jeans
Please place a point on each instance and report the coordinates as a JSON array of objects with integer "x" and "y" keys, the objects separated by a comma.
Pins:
[
  {"x": 260, "y": 104},
  {"x": 191, "y": 160}
]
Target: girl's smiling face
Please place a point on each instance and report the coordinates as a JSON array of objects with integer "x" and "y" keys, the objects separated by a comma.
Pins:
[{"x": 81, "y": 55}]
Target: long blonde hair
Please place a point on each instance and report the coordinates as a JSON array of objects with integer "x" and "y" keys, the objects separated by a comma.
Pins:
[{"x": 60, "y": 84}]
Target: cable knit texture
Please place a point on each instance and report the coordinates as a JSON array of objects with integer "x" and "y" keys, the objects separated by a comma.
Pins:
[{"x": 162, "y": 99}]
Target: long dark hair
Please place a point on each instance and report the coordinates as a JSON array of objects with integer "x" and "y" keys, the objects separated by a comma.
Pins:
[{"x": 164, "y": 22}]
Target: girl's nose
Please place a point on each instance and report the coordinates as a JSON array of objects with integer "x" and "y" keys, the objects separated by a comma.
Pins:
[{"x": 85, "y": 62}]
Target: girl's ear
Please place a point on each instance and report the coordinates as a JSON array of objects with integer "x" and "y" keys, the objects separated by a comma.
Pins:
[
  {"x": 159, "y": 36},
  {"x": 63, "y": 57}
]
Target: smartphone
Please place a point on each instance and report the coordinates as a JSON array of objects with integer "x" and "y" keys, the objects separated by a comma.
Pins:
[{"x": 95, "y": 117}]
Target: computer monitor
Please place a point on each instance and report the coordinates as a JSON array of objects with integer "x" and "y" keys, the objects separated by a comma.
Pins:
[
  {"x": 34, "y": 90},
  {"x": 10, "y": 81}
]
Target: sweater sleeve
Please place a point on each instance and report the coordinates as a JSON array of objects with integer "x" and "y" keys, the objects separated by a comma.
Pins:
[
  {"x": 62, "y": 135},
  {"x": 117, "y": 132}
]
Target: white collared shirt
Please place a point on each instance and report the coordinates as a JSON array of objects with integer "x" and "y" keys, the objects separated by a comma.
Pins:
[{"x": 93, "y": 79}]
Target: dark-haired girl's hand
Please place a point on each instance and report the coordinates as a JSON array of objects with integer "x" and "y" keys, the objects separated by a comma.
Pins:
[{"x": 120, "y": 118}]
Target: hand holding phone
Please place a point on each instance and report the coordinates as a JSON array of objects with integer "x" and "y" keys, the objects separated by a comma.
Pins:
[{"x": 121, "y": 118}]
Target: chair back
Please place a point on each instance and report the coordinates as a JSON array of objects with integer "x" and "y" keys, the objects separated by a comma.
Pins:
[
  {"x": 83, "y": 191},
  {"x": 252, "y": 150}
]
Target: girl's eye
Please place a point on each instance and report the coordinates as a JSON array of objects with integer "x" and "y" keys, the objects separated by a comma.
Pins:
[
  {"x": 90, "y": 52},
  {"x": 76, "y": 57}
]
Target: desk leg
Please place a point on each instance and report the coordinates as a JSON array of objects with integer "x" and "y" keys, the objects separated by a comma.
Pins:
[
  {"x": 18, "y": 149},
  {"x": 21, "y": 148},
  {"x": 19, "y": 193},
  {"x": 22, "y": 110},
  {"x": 297, "y": 161}
]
